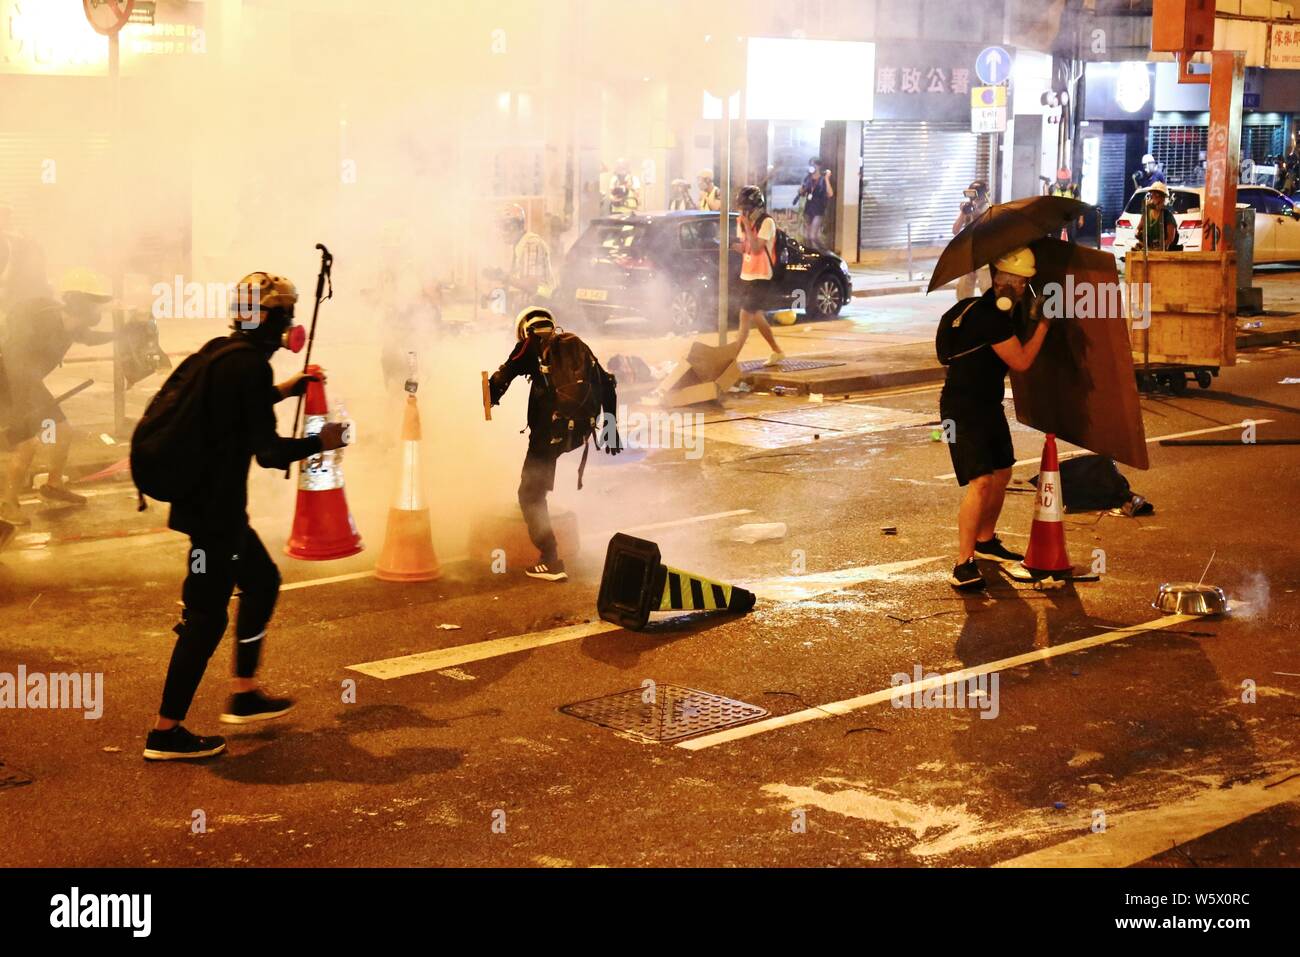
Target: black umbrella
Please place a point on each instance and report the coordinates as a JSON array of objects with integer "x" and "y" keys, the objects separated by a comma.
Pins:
[{"x": 1002, "y": 228}]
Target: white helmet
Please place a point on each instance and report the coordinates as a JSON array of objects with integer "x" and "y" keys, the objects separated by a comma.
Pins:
[
  {"x": 1148, "y": 159},
  {"x": 533, "y": 317}
]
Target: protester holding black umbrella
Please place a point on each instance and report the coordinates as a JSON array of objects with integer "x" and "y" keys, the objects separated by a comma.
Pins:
[
  {"x": 978, "y": 341},
  {"x": 983, "y": 344}
]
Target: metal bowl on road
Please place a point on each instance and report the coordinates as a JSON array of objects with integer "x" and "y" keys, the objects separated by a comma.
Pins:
[{"x": 1186, "y": 598}]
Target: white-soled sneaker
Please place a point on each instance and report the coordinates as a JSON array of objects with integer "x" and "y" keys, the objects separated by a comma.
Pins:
[
  {"x": 548, "y": 571},
  {"x": 775, "y": 358}
]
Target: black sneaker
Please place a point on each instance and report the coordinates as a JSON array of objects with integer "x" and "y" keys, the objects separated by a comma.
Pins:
[
  {"x": 548, "y": 571},
  {"x": 966, "y": 576},
  {"x": 177, "y": 744},
  {"x": 995, "y": 551},
  {"x": 249, "y": 706}
]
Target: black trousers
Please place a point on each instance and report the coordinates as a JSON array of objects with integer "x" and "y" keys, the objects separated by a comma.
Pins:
[
  {"x": 537, "y": 480},
  {"x": 217, "y": 565}
]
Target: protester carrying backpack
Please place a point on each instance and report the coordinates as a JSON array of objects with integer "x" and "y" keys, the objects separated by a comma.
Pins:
[
  {"x": 572, "y": 400},
  {"x": 193, "y": 448}
]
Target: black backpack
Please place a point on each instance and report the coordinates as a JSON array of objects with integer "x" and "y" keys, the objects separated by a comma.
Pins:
[
  {"x": 584, "y": 394},
  {"x": 1092, "y": 482},
  {"x": 168, "y": 442},
  {"x": 945, "y": 337}
]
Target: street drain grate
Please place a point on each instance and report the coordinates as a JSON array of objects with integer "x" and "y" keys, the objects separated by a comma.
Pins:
[
  {"x": 664, "y": 712},
  {"x": 785, "y": 365},
  {"x": 11, "y": 777}
]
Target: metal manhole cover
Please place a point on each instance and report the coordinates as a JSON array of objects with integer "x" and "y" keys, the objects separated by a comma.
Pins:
[
  {"x": 785, "y": 365},
  {"x": 11, "y": 777},
  {"x": 664, "y": 712}
]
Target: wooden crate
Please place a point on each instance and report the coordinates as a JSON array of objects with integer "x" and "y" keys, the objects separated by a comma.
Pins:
[{"x": 1193, "y": 297}]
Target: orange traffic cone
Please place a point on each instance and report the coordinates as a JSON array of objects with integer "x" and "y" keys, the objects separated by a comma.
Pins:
[
  {"x": 408, "y": 546},
  {"x": 1046, "y": 553},
  {"x": 323, "y": 528}
]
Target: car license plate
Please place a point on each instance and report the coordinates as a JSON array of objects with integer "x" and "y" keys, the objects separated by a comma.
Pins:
[{"x": 592, "y": 295}]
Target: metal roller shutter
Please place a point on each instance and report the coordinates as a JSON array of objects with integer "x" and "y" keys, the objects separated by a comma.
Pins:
[
  {"x": 914, "y": 171},
  {"x": 1115, "y": 184}
]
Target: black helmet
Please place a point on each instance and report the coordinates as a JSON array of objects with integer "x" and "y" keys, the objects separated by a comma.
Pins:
[{"x": 751, "y": 197}]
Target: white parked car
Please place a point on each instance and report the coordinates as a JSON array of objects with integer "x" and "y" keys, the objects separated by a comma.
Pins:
[{"x": 1277, "y": 221}]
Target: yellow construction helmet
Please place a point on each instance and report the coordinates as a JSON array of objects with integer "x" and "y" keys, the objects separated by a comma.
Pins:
[
  {"x": 1018, "y": 262},
  {"x": 85, "y": 283},
  {"x": 262, "y": 290}
]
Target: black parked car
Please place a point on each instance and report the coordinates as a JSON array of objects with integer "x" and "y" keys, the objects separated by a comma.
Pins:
[{"x": 664, "y": 267}]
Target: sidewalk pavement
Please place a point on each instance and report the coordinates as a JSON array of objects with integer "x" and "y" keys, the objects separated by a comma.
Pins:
[{"x": 890, "y": 279}]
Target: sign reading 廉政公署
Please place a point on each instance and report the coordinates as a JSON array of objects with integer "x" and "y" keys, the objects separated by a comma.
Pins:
[{"x": 916, "y": 80}]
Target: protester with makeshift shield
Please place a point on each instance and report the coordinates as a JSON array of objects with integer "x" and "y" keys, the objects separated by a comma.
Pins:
[
  {"x": 38, "y": 334},
  {"x": 221, "y": 401},
  {"x": 979, "y": 340}
]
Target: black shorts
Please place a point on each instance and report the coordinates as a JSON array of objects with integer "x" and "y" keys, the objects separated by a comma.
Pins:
[
  {"x": 25, "y": 410},
  {"x": 981, "y": 438},
  {"x": 755, "y": 294}
]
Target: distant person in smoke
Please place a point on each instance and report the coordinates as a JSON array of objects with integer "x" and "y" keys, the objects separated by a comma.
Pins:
[
  {"x": 756, "y": 230},
  {"x": 1149, "y": 174},
  {"x": 571, "y": 400},
  {"x": 710, "y": 195},
  {"x": 975, "y": 201},
  {"x": 681, "y": 195},
  {"x": 238, "y": 416},
  {"x": 816, "y": 192},
  {"x": 37, "y": 335},
  {"x": 624, "y": 193},
  {"x": 1065, "y": 185},
  {"x": 530, "y": 277},
  {"x": 977, "y": 341}
]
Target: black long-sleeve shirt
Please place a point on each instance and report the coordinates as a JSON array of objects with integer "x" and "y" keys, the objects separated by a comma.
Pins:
[
  {"x": 240, "y": 419},
  {"x": 526, "y": 360}
]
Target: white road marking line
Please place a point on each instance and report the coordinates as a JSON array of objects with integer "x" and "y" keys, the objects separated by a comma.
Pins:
[
  {"x": 836, "y": 708},
  {"x": 313, "y": 582},
  {"x": 684, "y": 521},
  {"x": 1138, "y": 835},
  {"x": 793, "y": 588},
  {"x": 443, "y": 658},
  {"x": 1155, "y": 438},
  {"x": 803, "y": 587}
]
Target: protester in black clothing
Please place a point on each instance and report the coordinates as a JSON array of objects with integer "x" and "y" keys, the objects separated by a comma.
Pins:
[
  {"x": 534, "y": 328},
  {"x": 985, "y": 344},
  {"x": 818, "y": 191},
  {"x": 37, "y": 335},
  {"x": 225, "y": 553}
]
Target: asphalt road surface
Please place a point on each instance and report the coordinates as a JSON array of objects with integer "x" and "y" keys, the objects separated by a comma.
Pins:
[{"x": 1113, "y": 734}]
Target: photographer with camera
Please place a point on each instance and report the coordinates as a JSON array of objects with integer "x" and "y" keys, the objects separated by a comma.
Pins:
[{"x": 973, "y": 206}]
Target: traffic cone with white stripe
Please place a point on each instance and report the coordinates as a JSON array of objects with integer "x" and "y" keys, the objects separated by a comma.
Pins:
[
  {"x": 408, "y": 554},
  {"x": 323, "y": 528},
  {"x": 1046, "y": 555}
]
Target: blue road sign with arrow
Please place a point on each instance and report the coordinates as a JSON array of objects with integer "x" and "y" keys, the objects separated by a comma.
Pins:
[{"x": 993, "y": 66}]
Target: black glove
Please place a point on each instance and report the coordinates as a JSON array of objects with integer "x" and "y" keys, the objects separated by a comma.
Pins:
[{"x": 495, "y": 392}]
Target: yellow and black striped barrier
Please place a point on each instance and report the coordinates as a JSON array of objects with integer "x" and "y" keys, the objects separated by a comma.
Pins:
[{"x": 635, "y": 583}]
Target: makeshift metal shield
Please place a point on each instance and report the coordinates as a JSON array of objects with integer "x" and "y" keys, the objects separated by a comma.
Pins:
[{"x": 1082, "y": 387}]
